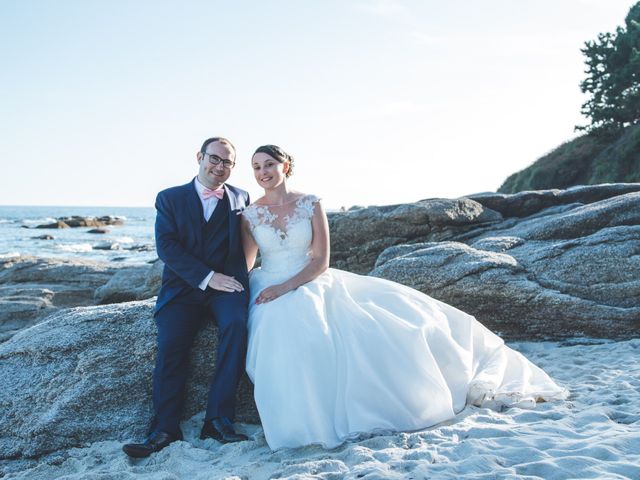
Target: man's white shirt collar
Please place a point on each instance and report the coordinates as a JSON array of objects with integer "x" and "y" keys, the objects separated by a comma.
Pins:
[
  {"x": 209, "y": 204},
  {"x": 200, "y": 189}
]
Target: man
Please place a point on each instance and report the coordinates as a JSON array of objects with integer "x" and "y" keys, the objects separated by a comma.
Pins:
[{"x": 198, "y": 239}]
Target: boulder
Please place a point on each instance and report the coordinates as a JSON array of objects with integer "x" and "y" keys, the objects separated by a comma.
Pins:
[
  {"x": 85, "y": 375},
  {"x": 111, "y": 220},
  {"x": 153, "y": 281},
  {"x": 574, "y": 222},
  {"x": 359, "y": 235},
  {"x": 32, "y": 288},
  {"x": 562, "y": 272},
  {"x": 527, "y": 203},
  {"x": 79, "y": 277},
  {"x": 107, "y": 246},
  {"x": 131, "y": 283},
  {"x": 141, "y": 247},
  {"x": 76, "y": 221},
  {"x": 21, "y": 306},
  {"x": 56, "y": 224}
]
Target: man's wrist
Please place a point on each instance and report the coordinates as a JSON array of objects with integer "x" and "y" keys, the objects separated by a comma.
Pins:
[{"x": 205, "y": 282}]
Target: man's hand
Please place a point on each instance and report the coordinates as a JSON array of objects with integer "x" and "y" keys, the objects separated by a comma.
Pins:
[
  {"x": 225, "y": 283},
  {"x": 271, "y": 293}
]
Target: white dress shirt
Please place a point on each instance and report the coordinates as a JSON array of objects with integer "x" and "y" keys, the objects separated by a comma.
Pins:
[{"x": 208, "y": 206}]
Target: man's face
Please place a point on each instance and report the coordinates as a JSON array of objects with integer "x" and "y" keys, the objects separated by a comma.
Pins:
[{"x": 210, "y": 175}]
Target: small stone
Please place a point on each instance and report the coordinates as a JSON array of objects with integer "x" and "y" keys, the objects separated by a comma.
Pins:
[
  {"x": 141, "y": 248},
  {"x": 107, "y": 246}
]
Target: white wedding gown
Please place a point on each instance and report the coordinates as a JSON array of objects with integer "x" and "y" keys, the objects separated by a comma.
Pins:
[{"x": 346, "y": 354}]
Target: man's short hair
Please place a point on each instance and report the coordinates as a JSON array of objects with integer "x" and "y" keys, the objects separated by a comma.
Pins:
[{"x": 226, "y": 141}]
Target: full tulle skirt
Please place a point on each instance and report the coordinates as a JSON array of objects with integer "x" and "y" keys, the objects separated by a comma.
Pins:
[{"x": 347, "y": 354}]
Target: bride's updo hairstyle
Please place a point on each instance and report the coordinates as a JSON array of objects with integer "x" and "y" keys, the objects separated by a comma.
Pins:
[{"x": 277, "y": 154}]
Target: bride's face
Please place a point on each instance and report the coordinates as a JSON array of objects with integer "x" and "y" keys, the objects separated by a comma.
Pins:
[{"x": 268, "y": 171}]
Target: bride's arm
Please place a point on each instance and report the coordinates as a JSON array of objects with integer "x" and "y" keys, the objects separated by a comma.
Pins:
[
  {"x": 319, "y": 259},
  {"x": 249, "y": 244}
]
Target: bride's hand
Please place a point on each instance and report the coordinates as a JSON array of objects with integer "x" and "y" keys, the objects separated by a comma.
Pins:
[{"x": 271, "y": 293}]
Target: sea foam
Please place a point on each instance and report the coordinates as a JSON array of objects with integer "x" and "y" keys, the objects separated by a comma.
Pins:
[{"x": 75, "y": 247}]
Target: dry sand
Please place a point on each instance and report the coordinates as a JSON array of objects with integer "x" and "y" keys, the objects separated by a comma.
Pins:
[{"x": 594, "y": 434}]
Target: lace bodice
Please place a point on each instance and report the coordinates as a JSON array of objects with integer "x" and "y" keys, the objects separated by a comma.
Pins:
[{"x": 283, "y": 233}]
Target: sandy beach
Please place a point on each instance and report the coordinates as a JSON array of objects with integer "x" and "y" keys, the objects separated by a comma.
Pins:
[{"x": 594, "y": 434}]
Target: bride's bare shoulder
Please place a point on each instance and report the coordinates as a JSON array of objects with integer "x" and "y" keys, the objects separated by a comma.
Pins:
[
  {"x": 302, "y": 195},
  {"x": 310, "y": 197},
  {"x": 297, "y": 195}
]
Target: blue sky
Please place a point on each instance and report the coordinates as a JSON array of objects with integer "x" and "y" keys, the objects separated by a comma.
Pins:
[{"x": 380, "y": 101}]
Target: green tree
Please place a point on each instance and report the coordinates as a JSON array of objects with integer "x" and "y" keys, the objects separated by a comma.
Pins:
[{"x": 613, "y": 77}]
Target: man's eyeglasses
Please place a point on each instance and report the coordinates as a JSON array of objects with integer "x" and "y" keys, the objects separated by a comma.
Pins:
[{"x": 216, "y": 160}]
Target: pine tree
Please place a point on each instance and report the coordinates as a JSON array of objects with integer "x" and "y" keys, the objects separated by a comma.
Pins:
[{"x": 613, "y": 77}]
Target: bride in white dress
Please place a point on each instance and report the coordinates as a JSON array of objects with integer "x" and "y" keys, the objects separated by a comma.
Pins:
[{"x": 333, "y": 354}]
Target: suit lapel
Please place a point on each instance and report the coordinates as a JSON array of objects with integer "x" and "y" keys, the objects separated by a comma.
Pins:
[
  {"x": 194, "y": 209},
  {"x": 233, "y": 216}
]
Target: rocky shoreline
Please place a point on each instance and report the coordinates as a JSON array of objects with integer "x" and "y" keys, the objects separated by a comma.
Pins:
[
  {"x": 78, "y": 336},
  {"x": 76, "y": 221},
  {"x": 535, "y": 265}
]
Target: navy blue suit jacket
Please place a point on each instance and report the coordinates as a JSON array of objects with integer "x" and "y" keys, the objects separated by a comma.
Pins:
[{"x": 180, "y": 243}]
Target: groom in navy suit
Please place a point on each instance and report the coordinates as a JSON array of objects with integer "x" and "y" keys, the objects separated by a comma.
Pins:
[{"x": 205, "y": 275}]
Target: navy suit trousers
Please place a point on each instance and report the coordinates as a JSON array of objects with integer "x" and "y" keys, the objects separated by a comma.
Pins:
[{"x": 178, "y": 323}]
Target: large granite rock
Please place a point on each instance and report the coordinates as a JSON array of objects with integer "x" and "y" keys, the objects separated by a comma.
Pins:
[
  {"x": 567, "y": 270},
  {"x": 358, "y": 236},
  {"x": 32, "y": 288},
  {"x": 83, "y": 275},
  {"x": 84, "y": 375},
  {"x": 21, "y": 306},
  {"x": 527, "y": 203},
  {"x": 132, "y": 283}
]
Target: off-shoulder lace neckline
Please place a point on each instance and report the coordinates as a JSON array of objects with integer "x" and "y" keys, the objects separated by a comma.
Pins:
[{"x": 280, "y": 219}]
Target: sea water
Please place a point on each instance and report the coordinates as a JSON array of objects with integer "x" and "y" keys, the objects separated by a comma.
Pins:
[{"x": 131, "y": 242}]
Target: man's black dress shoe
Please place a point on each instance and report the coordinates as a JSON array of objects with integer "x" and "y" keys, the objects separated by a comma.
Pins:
[
  {"x": 154, "y": 443},
  {"x": 221, "y": 429}
]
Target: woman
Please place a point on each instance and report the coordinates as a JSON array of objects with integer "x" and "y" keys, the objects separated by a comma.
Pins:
[{"x": 334, "y": 354}]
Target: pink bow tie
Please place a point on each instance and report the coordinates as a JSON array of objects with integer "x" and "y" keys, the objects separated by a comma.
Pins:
[{"x": 208, "y": 193}]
